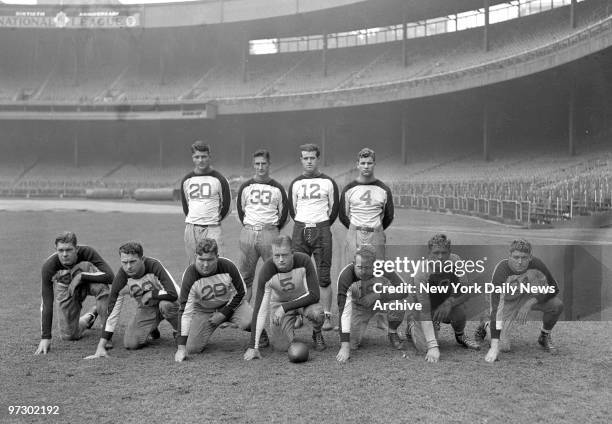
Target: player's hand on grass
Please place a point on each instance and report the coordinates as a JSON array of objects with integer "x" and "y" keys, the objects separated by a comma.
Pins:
[
  {"x": 76, "y": 281},
  {"x": 43, "y": 347},
  {"x": 432, "y": 355},
  {"x": 216, "y": 319},
  {"x": 278, "y": 315},
  {"x": 442, "y": 312},
  {"x": 344, "y": 353},
  {"x": 100, "y": 350},
  {"x": 493, "y": 352},
  {"x": 181, "y": 353},
  {"x": 252, "y": 354}
]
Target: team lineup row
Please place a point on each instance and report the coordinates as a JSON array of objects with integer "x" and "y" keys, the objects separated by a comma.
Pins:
[{"x": 214, "y": 290}]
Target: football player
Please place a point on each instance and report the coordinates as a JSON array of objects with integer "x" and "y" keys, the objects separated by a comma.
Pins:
[
  {"x": 446, "y": 306},
  {"x": 288, "y": 287},
  {"x": 366, "y": 208},
  {"x": 206, "y": 199},
  {"x": 154, "y": 290},
  {"x": 212, "y": 292},
  {"x": 357, "y": 297},
  {"x": 69, "y": 275},
  {"x": 313, "y": 205},
  {"x": 521, "y": 267},
  {"x": 262, "y": 210}
]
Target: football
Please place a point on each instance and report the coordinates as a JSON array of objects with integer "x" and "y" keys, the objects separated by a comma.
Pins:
[{"x": 298, "y": 352}]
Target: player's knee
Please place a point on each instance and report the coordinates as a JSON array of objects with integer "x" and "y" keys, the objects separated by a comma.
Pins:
[
  {"x": 280, "y": 344},
  {"x": 132, "y": 343},
  {"x": 555, "y": 305},
  {"x": 168, "y": 309},
  {"x": 457, "y": 315},
  {"x": 194, "y": 347},
  {"x": 70, "y": 337}
]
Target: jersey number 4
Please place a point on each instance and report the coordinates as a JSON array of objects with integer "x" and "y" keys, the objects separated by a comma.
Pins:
[
  {"x": 216, "y": 290},
  {"x": 313, "y": 193},
  {"x": 199, "y": 191},
  {"x": 366, "y": 197},
  {"x": 261, "y": 196}
]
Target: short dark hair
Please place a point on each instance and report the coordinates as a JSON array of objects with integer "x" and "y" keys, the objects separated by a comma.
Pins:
[
  {"x": 131, "y": 248},
  {"x": 262, "y": 152},
  {"x": 366, "y": 152},
  {"x": 521, "y": 245},
  {"x": 200, "y": 146},
  {"x": 282, "y": 240},
  {"x": 66, "y": 237},
  {"x": 439, "y": 240},
  {"x": 367, "y": 252},
  {"x": 310, "y": 147},
  {"x": 207, "y": 245}
]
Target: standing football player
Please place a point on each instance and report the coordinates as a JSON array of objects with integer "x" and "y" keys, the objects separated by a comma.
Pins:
[
  {"x": 366, "y": 208},
  {"x": 212, "y": 292},
  {"x": 206, "y": 199},
  {"x": 358, "y": 293},
  {"x": 313, "y": 205},
  {"x": 154, "y": 290},
  {"x": 521, "y": 267},
  {"x": 69, "y": 275},
  {"x": 262, "y": 210},
  {"x": 446, "y": 305},
  {"x": 287, "y": 287}
]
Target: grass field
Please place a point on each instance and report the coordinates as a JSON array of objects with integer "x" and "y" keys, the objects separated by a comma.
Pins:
[{"x": 376, "y": 385}]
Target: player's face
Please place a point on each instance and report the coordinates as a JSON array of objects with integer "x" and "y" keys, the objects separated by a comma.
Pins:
[
  {"x": 66, "y": 253},
  {"x": 261, "y": 166},
  {"x": 206, "y": 263},
  {"x": 519, "y": 261},
  {"x": 439, "y": 253},
  {"x": 310, "y": 161},
  {"x": 283, "y": 258},
  {"x": 201, "y": 160},
  {"x": 366, "y": 166},
  {"x": 364, "y": 268},
  {"x": 132, "y": 264}
]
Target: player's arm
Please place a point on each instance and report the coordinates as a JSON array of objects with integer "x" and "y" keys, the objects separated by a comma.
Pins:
[
  {"x": 105, "y": 273},
  {"x": 240, "y": 200},
  {"x": 292, "y": 200},
  {"x": 343, "y": 212},
  {"x": 184, "y": 202},
  {"x": 312, "y": 283},
  {"x": 345, "y": 280},
  {"x": 424, "y": 319},
  {"x": 389, "y": 210},
  {"x": 169, "y": 286},
  {"x": 46, "y": 308},
  {"x": 334, "y": 200},
  {"x": 186, "y": 312},
  {"x": 226, "y": 197},
  {"x": 239, "y": 285},
  {"x": 283, "y": 207},
  {"x": 260, "y": 310},
  {"x": 500, "y": 274}
]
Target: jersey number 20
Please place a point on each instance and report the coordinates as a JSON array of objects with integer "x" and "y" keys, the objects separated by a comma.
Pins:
[{"x": 199, "y": 191}]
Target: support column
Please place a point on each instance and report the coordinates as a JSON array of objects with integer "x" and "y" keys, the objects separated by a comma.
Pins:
[
  {"x": 485, "y": 40},
  {"x": 243, "y": 141},
  {"x": 324, "y": 54},
  {"x": 571, "y": 117},
  {"x": 245, "y": 59},
  {"x": 573, "y": 14},
  {"x": 405, "y": 42},
  {"x": 160, "y": 140},
  {"x": 75, "y": 140},
  {"x": 485, "y": 132},
  {"x": 324, "y": 162},
  {"x": 404, "y": 139}
]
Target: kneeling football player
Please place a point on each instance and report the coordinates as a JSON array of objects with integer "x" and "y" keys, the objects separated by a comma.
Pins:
[
  {"x": 358, "y": 294},
  {"x": 212, "y": 293},
  {"x": 288, "y": 287},
  {"x": 518, "y": 270},
  {"x": 154, "y": 290},
  {"x": 445, "y": 303}
]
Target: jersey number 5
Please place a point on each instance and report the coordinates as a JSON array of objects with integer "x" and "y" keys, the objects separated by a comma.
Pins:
[
  {"x": 199, "y": 191},
  {"x": 287, "y": 284}
]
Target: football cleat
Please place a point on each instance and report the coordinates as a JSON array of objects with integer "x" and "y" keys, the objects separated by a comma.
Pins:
[
  {"x": 546, "y": 342},
  {"x": 299, "y": 322},
  {"x": 87, "y": 320},
  {"x": 108, "y": 345},
  {"x": 436, "y": 326},
  {"x": 327, "y": 325},
  {"x": 319, "y": 343},
  {"x": 394, "y": 341},
  {"x": 264, "y": 340},
  {"x": 465, "y": 341},
  {"x": 155, "y": 334},
  {"x": 481, "y": 331}
]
